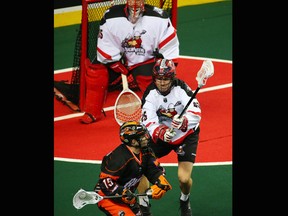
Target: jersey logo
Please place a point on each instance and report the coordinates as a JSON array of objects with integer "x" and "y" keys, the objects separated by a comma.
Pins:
[
  {"x": 132, "y": 183},
  {"x": 134, "y": 43},
  {"x": 165, "y": 114}
]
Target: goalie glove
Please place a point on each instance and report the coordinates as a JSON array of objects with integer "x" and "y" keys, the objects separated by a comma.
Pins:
[
  {"x": 159, "y": 189},
  {"x": 128, "y": 197},
  {"x": 164, "y": 133},
  {"x": 118, "y": 67},
  {"x": 180, "y": 123}
]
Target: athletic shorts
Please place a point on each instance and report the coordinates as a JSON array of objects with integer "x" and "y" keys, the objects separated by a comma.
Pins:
[{"x": 185, "y": 151}]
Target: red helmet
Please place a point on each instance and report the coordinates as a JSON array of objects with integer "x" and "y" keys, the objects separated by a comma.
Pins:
[
  {"x": 135, "y": 9},
  {"x": 164, "y": 69}
]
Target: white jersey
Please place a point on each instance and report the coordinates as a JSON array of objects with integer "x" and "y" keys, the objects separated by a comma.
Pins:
[
  {"x": 158, "y": 109},
  {"x": 138, "y": 41}
]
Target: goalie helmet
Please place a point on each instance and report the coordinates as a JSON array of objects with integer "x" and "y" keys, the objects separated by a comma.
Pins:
[
  {"x": 164, "y": 69},
  {"x": 135, "y": 9},
  {"x": 131, "y": 130}
]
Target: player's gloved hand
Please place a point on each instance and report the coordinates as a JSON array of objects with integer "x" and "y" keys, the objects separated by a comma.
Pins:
[
  {"x": 157, "y": 55},
  {"x": 128, "y": 197},
  {"x": 165, "y": 134},
  {"x": 180, "y": 123},
  {"x": 159, "y": 189},
  {"x": 119, "y": 68}
]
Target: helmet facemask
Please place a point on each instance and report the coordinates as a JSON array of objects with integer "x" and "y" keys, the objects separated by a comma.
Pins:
[
  {"x": 135, "y": 9},
  {"x": 133, "y": 133}
]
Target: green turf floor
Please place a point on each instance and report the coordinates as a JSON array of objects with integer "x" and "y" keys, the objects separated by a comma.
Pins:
[{"x": 204, "y": 31}]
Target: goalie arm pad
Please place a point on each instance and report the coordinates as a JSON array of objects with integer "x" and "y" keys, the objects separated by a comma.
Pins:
[
  {"x": 160, "y": 187},
  {"x": 118, "y": 67}
]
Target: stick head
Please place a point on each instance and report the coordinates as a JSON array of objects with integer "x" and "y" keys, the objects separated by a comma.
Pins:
[
  {"x": 206, "y": 71},
  {"x": 82, "y": 198}
]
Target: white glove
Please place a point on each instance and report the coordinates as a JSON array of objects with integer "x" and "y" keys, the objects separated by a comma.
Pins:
[
  {"x": 164, "y": 133},
  {"x": 180, "y": 123},
  {"x": 168, "y": 135}
]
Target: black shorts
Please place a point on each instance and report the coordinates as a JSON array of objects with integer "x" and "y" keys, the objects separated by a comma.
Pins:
[{"x": 185, "y": 151}]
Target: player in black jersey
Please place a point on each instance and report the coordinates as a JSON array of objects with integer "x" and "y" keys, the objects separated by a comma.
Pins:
[{"x": 122, "y": 169}]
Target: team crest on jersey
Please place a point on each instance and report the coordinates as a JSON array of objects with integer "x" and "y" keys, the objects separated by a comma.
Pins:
[
  {"x": 165, "y": 114},
  {"x": 133, "y": 43}
]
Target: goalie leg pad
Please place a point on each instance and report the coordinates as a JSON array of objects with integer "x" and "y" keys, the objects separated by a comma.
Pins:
[{"x": 96, "y": 91}]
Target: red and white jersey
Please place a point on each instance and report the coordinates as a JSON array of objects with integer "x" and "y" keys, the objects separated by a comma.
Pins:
[
  {"x": 117, "y": 35},
  {"x": 158, "y": 109}
]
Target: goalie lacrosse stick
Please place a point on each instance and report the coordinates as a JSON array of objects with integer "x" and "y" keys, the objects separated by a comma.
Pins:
[
  {"x": 83, "y": 198},
  {"x": 128, "y": 104}
]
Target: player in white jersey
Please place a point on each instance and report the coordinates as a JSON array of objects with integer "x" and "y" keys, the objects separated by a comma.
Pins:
[
  {"x": 129, "y": 36},
  {"x": 162, "y": 103}
]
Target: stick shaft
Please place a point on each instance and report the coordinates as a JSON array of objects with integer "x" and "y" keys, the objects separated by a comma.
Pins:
[
  {"x": 189, "y": 102},
  {"x": 119, "y": 196}
]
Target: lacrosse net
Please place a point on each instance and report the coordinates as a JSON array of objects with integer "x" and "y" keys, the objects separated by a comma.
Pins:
[{"x": 127, "y": 108}]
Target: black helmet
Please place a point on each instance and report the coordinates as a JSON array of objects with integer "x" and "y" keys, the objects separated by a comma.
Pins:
[{"x": 132, "y": 130}]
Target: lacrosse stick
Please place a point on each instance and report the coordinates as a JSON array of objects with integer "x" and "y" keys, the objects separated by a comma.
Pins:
[
  {"x": 205, "y": 72},
  {"x": 128, "y": 105},
  {"x": 83, "y": 198}
]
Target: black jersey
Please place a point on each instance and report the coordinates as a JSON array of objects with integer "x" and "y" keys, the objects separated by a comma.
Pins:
[{"x": 121, "y": 168}]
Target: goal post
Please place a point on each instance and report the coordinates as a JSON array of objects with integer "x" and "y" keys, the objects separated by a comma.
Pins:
[{"x": 86, "y": 41}]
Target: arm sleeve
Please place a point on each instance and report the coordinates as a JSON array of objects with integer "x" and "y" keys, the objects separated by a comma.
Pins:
[
  {"x": 110, "y": 173},
  {"x": 108, "y": 48},
  {"x": 169, "y": 42},
  {"x": 153, "y": 169}
]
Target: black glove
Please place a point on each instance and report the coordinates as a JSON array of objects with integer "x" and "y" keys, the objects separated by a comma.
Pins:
[
  {"x": 157, "y": 55},
  {"x": 128, "y": 197}
]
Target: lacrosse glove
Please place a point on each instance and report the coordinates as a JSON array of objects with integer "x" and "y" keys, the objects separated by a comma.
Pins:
[
  {"x": 164, "y": 133},
  {"x": 180, "y": 123},
  {"x": 157, "y": 55},
  {"x": 160, "y": 187},
  {"x": 128, "y": 197},
  {"x": 118, "y": 67}
]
